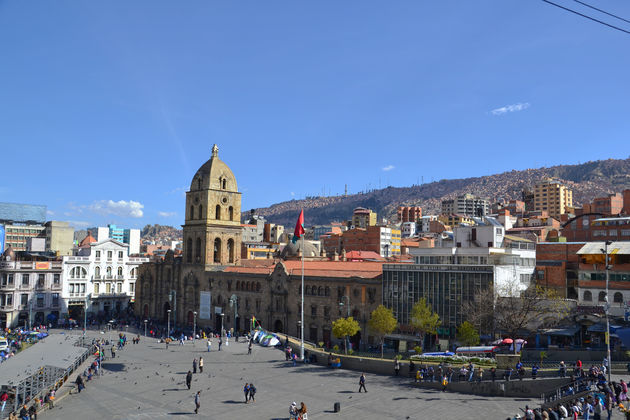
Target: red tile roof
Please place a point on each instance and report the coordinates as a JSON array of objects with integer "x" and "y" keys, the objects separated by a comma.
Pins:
[{"x": 85, "y": 243}]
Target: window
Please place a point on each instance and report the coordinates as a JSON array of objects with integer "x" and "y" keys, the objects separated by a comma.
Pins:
[
  {"x": 313, "y": 310},
  {"x": 217, "y": 250},
  {"x": 327, "y": 311},
  {"x": 230, "y": 250},
  {"x": 540, "y": 274},
  {"x": 97, "y": 272},
  {"x": 55, "y": 299},
  {"x": 217, "y": 214},
  {"x": 132, "y": 288},
  {"x": 200, "y": 211},
  {"x": 71, "y": 288},
  {"x": 40, "y": 300},
  {"x": 98, "y": 255},
  {"x": 109, "y": 271},
  {"x": 120, "y": 255},
  {"x": 24, "y": 299},
  {"x": 189, "y": 250},
  {"x": 10, "y": 278},
  {"x": 134, "y": 273},
  {"x": 602, "y": 296},
  {"x": 588, "y": 296},
  {"x": 618, "y": 297},
  {"x": 96, "y": 287},
  {"x": 108, "y": 287},
  {"x": 231, "y": 212},
  {"x": 119, "y": 288},
  {"x": 120, "y": 271},
  {"x": 25, "y": 279},
  {"x": 191, "y": 215},
  {"x": 41, "y": 278}
]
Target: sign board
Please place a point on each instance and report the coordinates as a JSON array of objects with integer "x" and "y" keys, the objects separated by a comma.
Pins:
[
  {"x": 218, "y": 310},
  {"x": 205, "y": 305},
  {"x": 1, "y": 238},
  {"x": 40, "y": 265}
]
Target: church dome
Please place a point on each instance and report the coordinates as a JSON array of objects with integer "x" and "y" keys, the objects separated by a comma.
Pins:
[
  {"x": 214, "y": 175},
  {"x": 9, "y": 254},
  {"x": 291, "y": 250}
]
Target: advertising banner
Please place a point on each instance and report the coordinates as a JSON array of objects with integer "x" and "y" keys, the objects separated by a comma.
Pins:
[
  {"x": 41, "y": 265},
  {"x": 1, "y": 238},
  {"x": 205, "y": 305}
]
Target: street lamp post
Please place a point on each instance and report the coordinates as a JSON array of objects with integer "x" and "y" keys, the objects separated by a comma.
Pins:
[
  {"x": 221, "y": 332},
  {"x": 348, "y": 311},
  {"x": 607, "y": 308},
  {"x": 194, "y": 327},
  {"x": 87, "y": 299},
  {"x": 145, "y": 327},
  {"x": 168, "y": 324},
  {"x": 234, "y": 304}
]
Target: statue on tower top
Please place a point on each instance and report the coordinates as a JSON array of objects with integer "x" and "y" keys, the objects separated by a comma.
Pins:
[{"x": 215, "y": 151}]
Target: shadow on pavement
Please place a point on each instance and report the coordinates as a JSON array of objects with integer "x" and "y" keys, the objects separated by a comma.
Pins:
[
  {"x": 114, "y": 367},
  {"x": 233, "y": 402}
]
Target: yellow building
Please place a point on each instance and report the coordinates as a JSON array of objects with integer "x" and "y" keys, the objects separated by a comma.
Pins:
[
  {"x": 454, "y": 220},
  {"x": 552, "y": 196},
  {"x": 362, "y": 218},
  {"x": 396, "y": 239}
]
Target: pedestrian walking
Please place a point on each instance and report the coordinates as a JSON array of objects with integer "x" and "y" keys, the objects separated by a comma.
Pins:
[
  {"x": 302, "y": 412},
  {"x": 249, "y": 348},
  {"x": 252, "y": 392},
  {"x": 444, "y": 383},
  {"x": 227, "y": 341},
  {"x": 197, "y": 401},
  {"x": 201, "y": 365},
  {"x": 79, "y": 383},
  {"x": 188, "y": 379},
  {"x": 362, "y": 383},
  {"x": 113, "y": 350},
  {"x": 246, "y": 392},
  {"x": 220, "y": 342},
  {"x": 195, "y": 365},
  {"x": 397, "y": 367},
  {"x": 209, "y": 345},
  {"x": 293, "y": 411},
  {"x": 3, "y": 399}
]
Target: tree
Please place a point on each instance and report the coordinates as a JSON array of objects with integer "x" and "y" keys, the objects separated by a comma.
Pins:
[
  {"x": 512, "y": 310},
  {"x": 382, "y": 322},
  {"x": 345, "y": 327},
  {"x": 467, "y": 334},
  {"x": 423, "y": 319}
]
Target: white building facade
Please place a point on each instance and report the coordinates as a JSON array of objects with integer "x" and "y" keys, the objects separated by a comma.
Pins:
[{"x": 101, "y": 278}]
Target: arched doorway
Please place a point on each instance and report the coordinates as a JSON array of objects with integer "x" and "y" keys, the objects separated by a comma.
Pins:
[
  {"x": 190, "y": 318},
  {"x": 277, "y": 326}
]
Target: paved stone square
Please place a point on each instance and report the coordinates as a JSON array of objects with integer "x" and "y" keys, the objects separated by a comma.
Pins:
[{"x": 146, "y": 381}]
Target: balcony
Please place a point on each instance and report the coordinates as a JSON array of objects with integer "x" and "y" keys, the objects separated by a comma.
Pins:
[
  {"x": 138, "y": 260},
  {"x": 6, "y": 307},
  {"x": 120, "y": 277},
  {"x": 109, "y": 277},
  {"x": 56, "y": 286},
  {"x": 40, "y": 286},
  {"x": 25, "y": 286},
  {"x": 98, "y": 277},
  {"x": 75, "y": 259},
  {"x": 7, "y": 286},
  {"x": 76, "y": 294}
]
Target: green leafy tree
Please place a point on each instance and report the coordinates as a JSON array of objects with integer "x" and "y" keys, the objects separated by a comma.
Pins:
[
  {"x": 423, "y": 319},
  {"x": 382, "y": 322},
  {"x": 467, "y": 334},
  {"x": 345, "y": 327}
]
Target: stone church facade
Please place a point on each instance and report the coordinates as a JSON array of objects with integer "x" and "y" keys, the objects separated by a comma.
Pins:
[{"x": 226, "y": 292}]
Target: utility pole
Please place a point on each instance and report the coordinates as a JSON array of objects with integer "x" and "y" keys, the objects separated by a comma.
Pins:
[{"x": 607, "y": 308}]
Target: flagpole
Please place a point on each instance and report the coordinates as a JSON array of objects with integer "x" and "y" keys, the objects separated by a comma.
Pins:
[{"x": 302, "y": 311}]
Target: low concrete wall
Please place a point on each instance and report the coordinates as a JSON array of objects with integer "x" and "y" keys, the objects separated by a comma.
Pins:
[
  {"x": 505, "y": 361},
  {"x": 566, "y": 355},
  {"x": 513, "y": 388}
]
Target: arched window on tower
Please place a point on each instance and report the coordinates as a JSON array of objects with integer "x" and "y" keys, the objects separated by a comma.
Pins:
[
  {"x": 189, "y": 250},
  {"x": 231, "y": 213},
  {"x": 224, "y": 183},
  {"x": 217, "y": 250},
  {"x": 201, "y": 211},
  {"x": 191, "y": 215},
  {"x": 218, "y": 213},
  {"x": 198, "y": 253},
  {"x": 230, "y": 250}
]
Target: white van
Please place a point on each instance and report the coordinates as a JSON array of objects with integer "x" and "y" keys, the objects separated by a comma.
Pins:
[{"x": 4, "y": 344}]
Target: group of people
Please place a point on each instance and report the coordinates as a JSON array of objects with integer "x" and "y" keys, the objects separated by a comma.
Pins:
[
  {"x": 297, "y": 413},
  {"x": 250, "y": 392}
]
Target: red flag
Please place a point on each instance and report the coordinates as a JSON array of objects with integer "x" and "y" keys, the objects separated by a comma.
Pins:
[{"x": 299, "y": 228}]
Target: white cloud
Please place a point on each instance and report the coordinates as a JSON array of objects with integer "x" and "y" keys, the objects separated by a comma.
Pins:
[
  {"x": 50, "y": 213},
  {"x": 292, "y": 194},
  {"x": 510, "y": 108},
  {"x": 388, "y": 168},
  {"x": 166, "y": 213},
  {"x": 120, "y": 208},
  {"x": 79, "y": 224}
]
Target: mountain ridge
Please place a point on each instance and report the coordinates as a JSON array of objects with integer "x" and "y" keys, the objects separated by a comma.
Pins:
[{"x": 587, "y": 180}]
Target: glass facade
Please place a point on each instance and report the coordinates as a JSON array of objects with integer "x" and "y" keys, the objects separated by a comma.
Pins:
[
  {"x": 446, "y": 288},
  {"x": 22, "y": 213}
]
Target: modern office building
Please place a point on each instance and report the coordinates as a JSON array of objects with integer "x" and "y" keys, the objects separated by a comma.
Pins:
[
  {"x": 463, "y": 264},
  {"x": 554, "y": 197},
  {"x": 130, "y": 237},
  {"x": 59, "y": 237},
  {"x": 466, "y": 205},
  {"x": 362, "y": 218}
]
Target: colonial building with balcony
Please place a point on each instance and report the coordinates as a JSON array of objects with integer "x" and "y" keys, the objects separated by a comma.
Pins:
[
  {"x": 99, "y": 278},
  {"x": 30, "y": 288}
]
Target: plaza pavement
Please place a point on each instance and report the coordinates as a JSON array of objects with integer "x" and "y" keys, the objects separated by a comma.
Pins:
[{"x": 146, "y": 381}]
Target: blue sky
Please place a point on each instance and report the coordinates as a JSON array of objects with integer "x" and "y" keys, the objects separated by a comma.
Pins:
[{"x": 107, "y": 109}]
